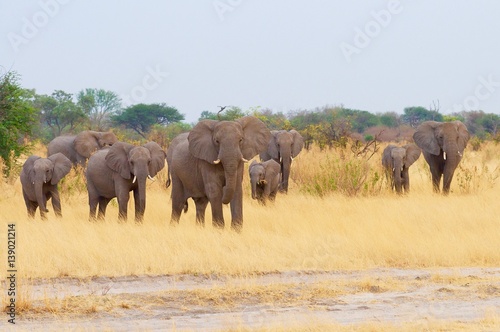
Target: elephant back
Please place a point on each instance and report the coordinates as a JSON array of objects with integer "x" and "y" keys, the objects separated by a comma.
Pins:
[{"x": 64, "y": 145}]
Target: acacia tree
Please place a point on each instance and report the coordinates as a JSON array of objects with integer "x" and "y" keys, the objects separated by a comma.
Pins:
[
  {"x": 99, "y": 105},
  {"x": 17, "y": 118},
  {"x": 141, "y": 117}
]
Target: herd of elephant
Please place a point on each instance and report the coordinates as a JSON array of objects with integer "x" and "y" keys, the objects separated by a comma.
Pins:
[{"x": 206, "y": 164}]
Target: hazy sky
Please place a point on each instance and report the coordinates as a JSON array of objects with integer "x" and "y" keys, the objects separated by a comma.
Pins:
[{"x": 279, "y": 54}]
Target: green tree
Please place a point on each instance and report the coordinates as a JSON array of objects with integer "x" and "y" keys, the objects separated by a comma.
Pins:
[
  {"x": 390, "y": 119},
  {"x": 59, "y": 112},
  {"x": 141, "y": 117},
  {"x": 229, "y": 113},
  {"x": 99, "y": 105},
  {"x": 17, "y": 118},
  {"x": 415, "y": 115},
  {"x": 490, "y": 123}
]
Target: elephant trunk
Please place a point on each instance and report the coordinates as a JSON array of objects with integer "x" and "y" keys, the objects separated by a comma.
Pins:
[
  {"x": 398, "y": 166},
  {"x": 230, "y": 162},
  {"x": 286, "y": 163},
  {"x": 453, "y": 157},
  {"x": 254, "y": 187},
  {"x": 40, "y": 197},
  {"x": 141, "y": 205}
]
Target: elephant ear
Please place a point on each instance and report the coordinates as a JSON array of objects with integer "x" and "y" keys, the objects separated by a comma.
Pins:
[
  {"x": 62, "y": 166},
  {"x": 28, "y": 167},
  {"x": 117, "y": 158},
  {"x": 201, "y": 144},
  {"x": 298, "y": 143},
  {"x": 272, "y": 169},
  {"x": 252, "y": 165},
  {"x": 463, "y": 135},
  {"x": 387, "y": 161},
  {"x": 412, "y": 154},
  {"x": 86, "y": 142},
  {"x": 425, "y": 137},
  {"x": 256, "y": 136},
  {"x": 157, "y": 157},
  {"x": 272, "y": 146}
]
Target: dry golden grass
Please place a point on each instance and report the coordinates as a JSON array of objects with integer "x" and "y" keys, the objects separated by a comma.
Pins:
[{"x": 299, "y": 232}]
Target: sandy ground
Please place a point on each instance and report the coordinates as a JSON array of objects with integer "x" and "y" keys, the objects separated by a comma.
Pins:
[{"x": 174, "y": 302}]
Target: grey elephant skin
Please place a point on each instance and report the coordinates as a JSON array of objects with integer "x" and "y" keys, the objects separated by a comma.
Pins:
[
  {"x": 397, "y": 161},
  {"x": 264, "y": 180},
  {"x": 80, "y": 147},
  {"x": 283, "y": 146},
  {"x": 443, "y": 145},
  {"x": 206, "y": 164},
  {"x": 39, "y": 179},
  {"x": 116, "y": 171}
]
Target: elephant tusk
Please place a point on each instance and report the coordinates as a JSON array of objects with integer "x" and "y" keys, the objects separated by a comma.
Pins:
[
  {"x": 216, "y": 161},
  {"x": 460, "y": 154},
  {"x": 135, "y": 178},
  {"x": 444, "y": 155},
  {"x": 244, "y": 160},
  {"x": 291, "y": 158},
  {"x": 281, "y": 160},
  {"x": 33, "y": 182},
  {"x": 149, "y": 177}
]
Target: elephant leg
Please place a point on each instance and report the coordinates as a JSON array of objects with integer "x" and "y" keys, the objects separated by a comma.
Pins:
[
  {"x": 448, "y": 176},
  {"x": 179, "y": 203},
  {"x": 139, "y": 212},
  {"x": 217, "y": 213},
  {"x": 122, "y": 198},
  {"x": 237, "y": 209},
  {"x": 30, "y": 206},
  {"x": 93, "y": 200},
  {"x": 56, "y": 202},
  {"x": 272, "y": 196},
  {"x": 103, "y": 203},
  {"x": 406, "y": 180},
  {"x": 436, "y": 179},
  {"x": 201, "y": 205}
]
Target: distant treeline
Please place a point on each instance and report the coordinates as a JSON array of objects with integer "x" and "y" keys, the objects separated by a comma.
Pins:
[{"x": 26, "y": 114}]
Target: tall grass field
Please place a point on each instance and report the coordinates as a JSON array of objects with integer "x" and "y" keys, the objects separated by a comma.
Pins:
[{"x": 338, "y": 214}]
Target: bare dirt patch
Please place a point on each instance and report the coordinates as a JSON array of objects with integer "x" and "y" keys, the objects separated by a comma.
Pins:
[{"x": 287, "y": 299}]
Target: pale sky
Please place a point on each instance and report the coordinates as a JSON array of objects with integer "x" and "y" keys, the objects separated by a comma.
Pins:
[{"x": 280, "y": 54}]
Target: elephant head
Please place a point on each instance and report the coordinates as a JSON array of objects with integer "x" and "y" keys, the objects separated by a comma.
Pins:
[
  {"x": 443, "y": 145},
  {"x": 397, "y": 160},
  {"x": 41, "y": 171},
  {"x": 229, "y": 143},
  {"x": 88, "y": 141},
  {"x": 283, "y": 147},
  {"x": 137, "y": 163},
  {"x": 262, "y": 174}
]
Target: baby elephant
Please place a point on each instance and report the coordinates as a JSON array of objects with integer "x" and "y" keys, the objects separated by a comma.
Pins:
[
  {"x": 39, "y": 179},
  {"x": 265, "y": 180},
  {"x": 396, "y": 161}
]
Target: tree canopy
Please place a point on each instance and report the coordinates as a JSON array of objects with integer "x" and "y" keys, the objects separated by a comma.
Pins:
[
  {"x": 141, "y": 117},
  {"x": 99, "y": 105},
  {"x": 17, "y": 118}
]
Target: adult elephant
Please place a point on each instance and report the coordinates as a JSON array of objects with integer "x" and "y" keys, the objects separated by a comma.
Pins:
[
  {"x": 80, "y": 147},
  {"x": 283, "y": 146},
  {"x": 39, "y": 179},
  {"x": 207, "y": 165},
  {"x": 443, "y": 145},
  {"x": 397, "y": 161},
  {"x": 264, "y": 180},
  {"x": 116, "y": 171}
]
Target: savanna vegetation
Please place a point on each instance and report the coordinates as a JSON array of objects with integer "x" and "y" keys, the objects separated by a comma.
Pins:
[{"x": 339, "y": 214}]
